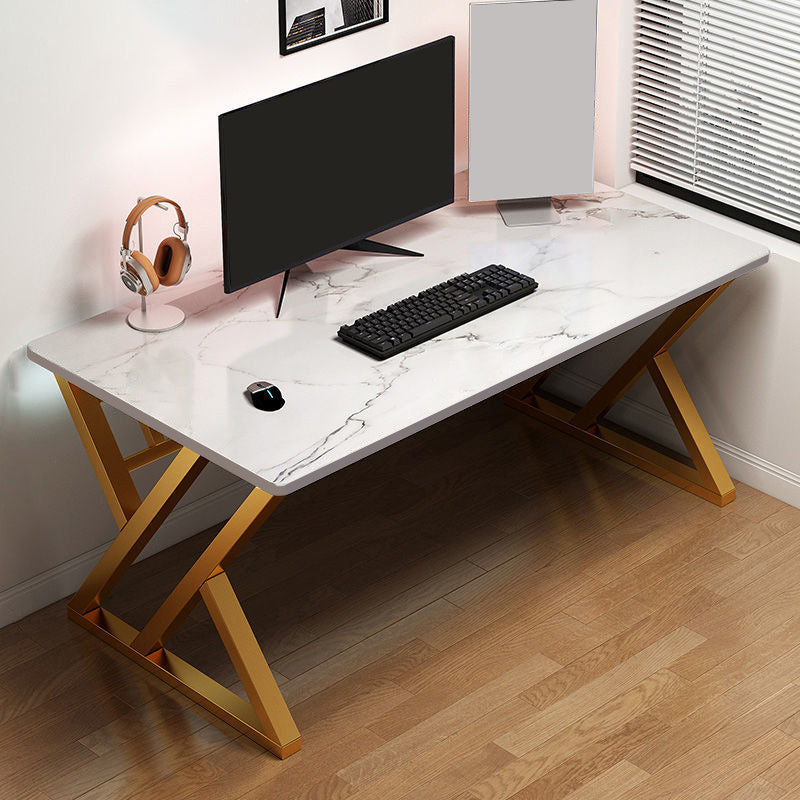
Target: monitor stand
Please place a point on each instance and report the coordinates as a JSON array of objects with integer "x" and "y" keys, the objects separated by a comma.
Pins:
[
  {"x": 370, "y": 246},
  {"x": 362, "y": 246},
  {"x": 283, "y": 292},
  {"x": 535, "y": 211}
]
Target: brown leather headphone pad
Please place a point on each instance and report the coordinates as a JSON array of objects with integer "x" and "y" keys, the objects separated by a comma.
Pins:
[
  {"x": 144, "y": 262},
  {"x": 169, "y": 261}
]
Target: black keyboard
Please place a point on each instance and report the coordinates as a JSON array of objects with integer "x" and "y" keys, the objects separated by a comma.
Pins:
[{"x": 441, "y": 308}]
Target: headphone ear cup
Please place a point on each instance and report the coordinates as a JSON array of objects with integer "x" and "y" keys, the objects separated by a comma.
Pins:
[
  {"x": 141, "y": 264},
  {"x": 170, "y": 260}
]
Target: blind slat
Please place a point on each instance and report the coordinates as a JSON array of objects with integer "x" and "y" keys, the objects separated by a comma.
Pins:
[{"x": 716, "y": 101}]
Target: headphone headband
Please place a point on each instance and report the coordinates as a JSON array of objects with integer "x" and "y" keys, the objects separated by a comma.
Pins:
[{"x": 140, "y": 208}]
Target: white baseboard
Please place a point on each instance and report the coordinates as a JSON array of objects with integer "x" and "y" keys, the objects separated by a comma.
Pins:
[
  {"x": 656, "y": 424},
  {"x": 63, "y": 580}
]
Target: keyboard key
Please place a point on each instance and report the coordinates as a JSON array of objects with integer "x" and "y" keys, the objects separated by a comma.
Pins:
[{"x": 431, "y": 325}]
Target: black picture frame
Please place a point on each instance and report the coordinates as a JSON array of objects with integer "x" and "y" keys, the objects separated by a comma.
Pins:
[{"x": 287, "y": 47}]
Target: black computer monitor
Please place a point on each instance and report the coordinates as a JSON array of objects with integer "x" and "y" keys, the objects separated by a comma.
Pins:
[{"x": 330, "y": 164}]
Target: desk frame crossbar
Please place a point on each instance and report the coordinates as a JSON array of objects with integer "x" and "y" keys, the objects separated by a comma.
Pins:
[
  {"x": 703, "y": 472},
  {"x": 266, "y": 718}
]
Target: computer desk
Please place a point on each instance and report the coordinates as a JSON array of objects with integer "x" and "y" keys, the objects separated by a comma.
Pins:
[{"x": 614, "y": 263}]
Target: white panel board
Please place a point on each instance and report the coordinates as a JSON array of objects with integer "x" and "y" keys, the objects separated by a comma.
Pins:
[{"x": 532, "y": 90}]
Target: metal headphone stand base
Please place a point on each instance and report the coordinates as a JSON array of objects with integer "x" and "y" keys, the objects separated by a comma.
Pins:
[{"x": 156, "y": 318}]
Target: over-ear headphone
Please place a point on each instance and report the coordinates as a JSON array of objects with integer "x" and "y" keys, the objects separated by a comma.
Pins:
[{"x": 173, "y": 257}]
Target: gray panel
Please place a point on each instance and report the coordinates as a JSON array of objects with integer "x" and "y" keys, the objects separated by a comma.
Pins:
[{"x": 532, "y": 88}]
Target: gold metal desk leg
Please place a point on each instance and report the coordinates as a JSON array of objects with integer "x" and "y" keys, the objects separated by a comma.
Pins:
[
  {"x": 249, "y": 517},
  {"x": 266, "y": 718},
  {"x": 703, "y": 472}
]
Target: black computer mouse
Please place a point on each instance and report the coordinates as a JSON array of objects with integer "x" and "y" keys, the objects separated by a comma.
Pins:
[{"x": 265, "y": 396}]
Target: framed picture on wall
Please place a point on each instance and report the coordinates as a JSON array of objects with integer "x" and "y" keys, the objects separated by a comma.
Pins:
[{"x": 304, "y": 23}]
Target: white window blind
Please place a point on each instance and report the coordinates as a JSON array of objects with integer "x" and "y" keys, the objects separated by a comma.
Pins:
[{"x": 717, "y": 101}]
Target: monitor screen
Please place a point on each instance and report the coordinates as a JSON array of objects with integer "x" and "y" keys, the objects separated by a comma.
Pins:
[{"x": 326, "y": 165}]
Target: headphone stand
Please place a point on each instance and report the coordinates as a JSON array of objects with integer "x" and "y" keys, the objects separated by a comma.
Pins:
[{"x": 155, "y": 319}]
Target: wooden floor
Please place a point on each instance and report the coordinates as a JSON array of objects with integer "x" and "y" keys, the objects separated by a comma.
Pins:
[{"x": 488, "y": 610}]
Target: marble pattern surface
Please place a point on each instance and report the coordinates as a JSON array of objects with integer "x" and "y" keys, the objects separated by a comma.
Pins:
[{"x": 614, "y": 262}]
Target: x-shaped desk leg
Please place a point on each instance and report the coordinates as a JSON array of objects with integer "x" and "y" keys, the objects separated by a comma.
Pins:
[
  {"x": 266, "y": 718},
  {"x": 705, "y": 476}
]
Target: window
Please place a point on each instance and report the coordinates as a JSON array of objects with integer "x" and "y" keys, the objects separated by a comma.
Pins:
[{"x": 717, "y": 105}]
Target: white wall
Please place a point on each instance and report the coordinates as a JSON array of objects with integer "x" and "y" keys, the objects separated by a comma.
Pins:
[{"x": 613, "y": 98}]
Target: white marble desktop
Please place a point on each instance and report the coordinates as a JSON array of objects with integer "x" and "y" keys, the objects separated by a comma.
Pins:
[{"x": 614, "y": 262}]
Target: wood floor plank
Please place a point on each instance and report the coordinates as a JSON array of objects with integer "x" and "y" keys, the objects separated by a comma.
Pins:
[
  {"x": 544, "y": 585},
  {"x": 693, "y": 574},
  {"x": 737, "y": 771},
  {"x": 785, "y": 520},
  {"x": 206, "y": 774},
  {"x": 579, "y": 769},
  {"x": 599, "y": 691},
  {"x": 377, "y": 589},
  {"x": 375, "y": 619},
  {"x": 534, "y": 602},
  {"x": 571, "y": 525},
  {"x": 390, "y": 668},
  {"x": 317, "y": 777},
  {"x": 449, "y": 720},
  {"x": 755, "y": 505},
  {"x": 651, "y": 530},
  {"x": 744, "y": 538},
  {"x": 732, "y": 671},
  {"x": 692, "y": 763},
  {"x": 328, "y": 716},
  {"x": 425, "y": 767},
  {"x": 601, "y": 725},
  {"x": 682, "y": 736},
  {"x": 441, "y": 681},
  {"x": 538, "y": 559},
  {"x": 745, "y": 571},
  {"x": 757, "y": 789},
  {"x": 596, "y": 511},
  {"x": 140, "y": 765},
  {"x": 17, "y": 648},
  {"x": 30, "y": 686},
  {"x": 792, "y": 726},
  {"x": 671, "y": 560},
  {"x": 501, "y": 642},
  {"x": 618, "y": 649},
  {"x": 611, "y": 783},
  {"x": 785, "y": 772},
  {"x": 461, "y": 774},
  {"x": 233, "y": 772},
  {"x": 740, "y": 632},
  {"x": 622, "y": 617},
  {"x": 47, "y": 768},
  {"x": 767, "y": 680},
  {"x": 380, "y": 644},
  {"x": 148, "y": 721}
]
